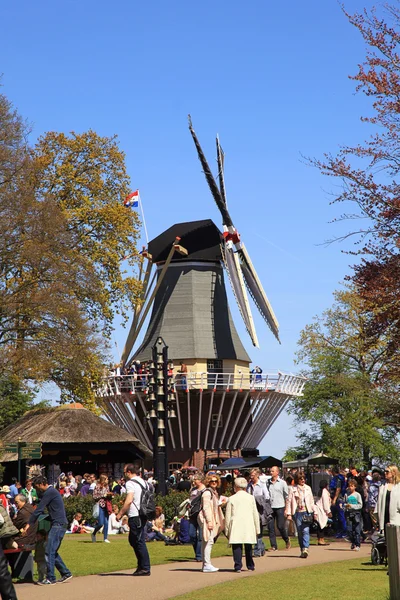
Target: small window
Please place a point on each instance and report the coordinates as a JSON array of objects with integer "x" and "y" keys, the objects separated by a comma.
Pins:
[
  {"x": 215, "y": 422},
  {"x": 174, "y": 467}
]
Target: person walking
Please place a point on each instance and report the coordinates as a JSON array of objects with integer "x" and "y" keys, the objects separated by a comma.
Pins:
[
  {"x": 279, "y": 493},
  {"x": 388, "y": 505},
  {"x": 195, "y": 506},
  {"x": 260, "y": 492},
  {"x": 302, "y": 509},
  {"x": 353, "y": 505},
  {"x": 102, "y": 495},
  {"x": 137, "y": 525},
  {"x": 323, "y": 511},
  {"x": 211, "y": 520},
  {"x": 373, "y": 493},
  {"x": 242, "y": 524},
  {"x": 53, "y": 502},
  {"x": 337, "y": 487}
]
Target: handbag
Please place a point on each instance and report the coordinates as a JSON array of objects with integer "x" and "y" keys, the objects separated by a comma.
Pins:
[
  {"x": 307, "y": 519},
  {"x": 96, "y": 511}
]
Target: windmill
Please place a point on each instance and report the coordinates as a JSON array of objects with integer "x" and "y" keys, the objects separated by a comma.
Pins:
[{"x": 220, "y": 406}]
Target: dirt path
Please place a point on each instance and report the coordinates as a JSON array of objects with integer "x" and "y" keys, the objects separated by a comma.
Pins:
[{"x": 173, "y": 579}]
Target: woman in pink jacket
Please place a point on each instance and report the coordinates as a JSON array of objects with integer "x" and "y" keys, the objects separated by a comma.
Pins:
[
  {"x": 302, "y": 509},
  {"x": 210, "y": 519}
]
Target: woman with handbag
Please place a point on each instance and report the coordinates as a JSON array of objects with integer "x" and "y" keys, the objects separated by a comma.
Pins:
[
  {"x": 211, "y": 520},
  {"x": 302, "y": 508},
  {"x": 102, "y": 495}
]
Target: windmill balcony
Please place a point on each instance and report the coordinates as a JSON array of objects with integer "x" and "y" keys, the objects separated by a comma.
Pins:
[{"x": 272, "y": 381}]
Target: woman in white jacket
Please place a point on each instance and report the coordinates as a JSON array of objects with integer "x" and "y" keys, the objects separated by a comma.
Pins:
[
  {"x": 388, "y": 505},
  {"x": 323, "y": 511},
  {"x": 242, "y": 524}
]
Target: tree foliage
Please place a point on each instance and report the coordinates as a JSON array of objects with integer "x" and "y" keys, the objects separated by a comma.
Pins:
[
  {"x": 370, "y": 175},
  {"x": 344, "y": 403},
  {"x": 15, "y": 400},
  {"x": 64, "y": 239}
]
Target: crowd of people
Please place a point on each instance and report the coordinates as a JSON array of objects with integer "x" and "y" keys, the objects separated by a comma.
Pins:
[{"x": 241, "y": 505}]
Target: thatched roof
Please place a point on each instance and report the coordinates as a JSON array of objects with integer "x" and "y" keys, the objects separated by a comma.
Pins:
[{"x": 68, "y": 424}]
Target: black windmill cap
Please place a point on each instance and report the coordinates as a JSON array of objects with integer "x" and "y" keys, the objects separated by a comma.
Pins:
[{"x": 201, "y": 239}]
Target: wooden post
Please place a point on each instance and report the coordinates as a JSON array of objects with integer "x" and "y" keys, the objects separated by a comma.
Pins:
[{"x": 393, "y": 550}]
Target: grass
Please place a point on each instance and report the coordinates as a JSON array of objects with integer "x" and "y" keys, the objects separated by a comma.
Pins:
[
  {"x": 85, "y": 558},
  {"x": 354, "y": 579}
]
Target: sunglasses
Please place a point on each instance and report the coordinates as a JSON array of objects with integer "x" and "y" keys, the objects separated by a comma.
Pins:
[
  {"x": 387, "y": 471},
  {"x": 213, "y": 480}
]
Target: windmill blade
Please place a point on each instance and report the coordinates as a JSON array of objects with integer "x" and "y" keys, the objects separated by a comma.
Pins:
[
  {"x": 226, "y": 219},
  {"x": 232, "y": 266},
  {"x": 257, "y": 291},
  {"x": 221, "y": 178}
]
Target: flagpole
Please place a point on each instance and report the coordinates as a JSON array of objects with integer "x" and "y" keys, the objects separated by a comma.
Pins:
[{"x": 144, "y": 220}]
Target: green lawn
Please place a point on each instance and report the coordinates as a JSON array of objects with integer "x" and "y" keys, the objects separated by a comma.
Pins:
[
  {"x": 85, "y": 558},
  {"x": 353, "y": 579}
]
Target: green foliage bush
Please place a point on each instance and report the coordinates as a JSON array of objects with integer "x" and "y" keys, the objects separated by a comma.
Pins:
[
  {"x": 170, "y": 503},
  {"x": 85, "y": 504}
]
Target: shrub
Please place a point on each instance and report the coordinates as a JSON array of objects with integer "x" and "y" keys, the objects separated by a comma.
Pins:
[
  {"x": 170, "y": 503},
  {"x": 84, "y": 505}
]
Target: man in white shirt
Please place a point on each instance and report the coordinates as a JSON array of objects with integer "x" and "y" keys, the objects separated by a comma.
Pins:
[
  {"x": 261, "y": 495},
  {"x": 134, "y": 485}
]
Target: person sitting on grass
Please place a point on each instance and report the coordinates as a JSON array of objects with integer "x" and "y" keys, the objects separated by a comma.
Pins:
[{"x": 78, "y": 525}]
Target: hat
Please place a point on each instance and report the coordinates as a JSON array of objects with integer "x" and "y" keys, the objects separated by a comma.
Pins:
[{"x": 5, "y": 489}]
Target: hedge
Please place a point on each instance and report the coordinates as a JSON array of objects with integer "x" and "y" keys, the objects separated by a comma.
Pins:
[{"x": 84, "y": 505}]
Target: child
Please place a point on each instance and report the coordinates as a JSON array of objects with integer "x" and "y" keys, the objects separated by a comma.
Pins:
[
  {"x": 40, "y": 558},
  {"x": 124, "y": 525},
  {"x": 353, "y": 505},
  {"x": 79, "y": 526}
]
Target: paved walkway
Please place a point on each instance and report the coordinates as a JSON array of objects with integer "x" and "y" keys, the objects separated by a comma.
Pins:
[{"x": 173, "y": 579}]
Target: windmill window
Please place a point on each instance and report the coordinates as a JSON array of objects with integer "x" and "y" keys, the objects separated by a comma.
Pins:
[{"x": 215, "y": 422}]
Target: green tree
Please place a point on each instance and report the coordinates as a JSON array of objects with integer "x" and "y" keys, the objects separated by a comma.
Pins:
[
  {"x": 343, "y": 400},
  {"x": 15, "y": 400},
  {"x": 65, "y": 235}
]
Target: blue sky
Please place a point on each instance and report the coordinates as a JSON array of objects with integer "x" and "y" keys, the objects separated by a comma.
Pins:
[{"x": 270, "y": 78}]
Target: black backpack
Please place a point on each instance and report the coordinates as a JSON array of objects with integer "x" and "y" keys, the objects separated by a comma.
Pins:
[
  {"x": 147, "y": 508},
  {"x": 195, "y": 504}
]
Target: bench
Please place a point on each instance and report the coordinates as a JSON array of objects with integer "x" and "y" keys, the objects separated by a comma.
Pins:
[{"x": 21, "y": 563}]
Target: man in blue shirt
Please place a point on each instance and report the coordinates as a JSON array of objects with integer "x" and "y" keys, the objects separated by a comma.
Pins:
[
  {"x": 52, "y": 500},
  {"x": 15, "y": 488},
  {"x": 337, "y": 488}
]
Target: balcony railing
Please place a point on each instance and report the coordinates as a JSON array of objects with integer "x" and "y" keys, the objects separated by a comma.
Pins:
[{"x": 275, "y": 381}]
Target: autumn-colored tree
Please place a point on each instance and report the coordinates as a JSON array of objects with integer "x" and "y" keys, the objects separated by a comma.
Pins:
[
  {"x": 343, "y": 401},
  {"x": 65, "y": 235},
  {"x": 370, "y": 174}
]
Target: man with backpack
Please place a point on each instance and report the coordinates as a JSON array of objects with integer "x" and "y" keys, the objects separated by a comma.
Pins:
[
  {"x": 337, "y": 488},
  {"x": 195, "y": 506},
  {"x": 140, "y": 507}
]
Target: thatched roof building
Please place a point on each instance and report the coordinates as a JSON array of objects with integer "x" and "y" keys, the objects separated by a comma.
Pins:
[{"x": 71, "y": 434}]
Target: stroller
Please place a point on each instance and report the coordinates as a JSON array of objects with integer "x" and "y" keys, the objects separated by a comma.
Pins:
[{"x": 379, "y": 549}]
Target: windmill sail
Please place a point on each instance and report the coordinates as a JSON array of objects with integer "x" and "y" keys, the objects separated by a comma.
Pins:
[
  {"x": 232, "y": 266},
  {"x": 221, "y": 179},
  {"x": 237, "y": 262},
  {"x": 210, "y": 179},
  {"x": 257, "y": 291}
]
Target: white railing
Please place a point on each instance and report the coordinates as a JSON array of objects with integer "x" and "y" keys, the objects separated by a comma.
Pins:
[{"x": 274, "y": 381}]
